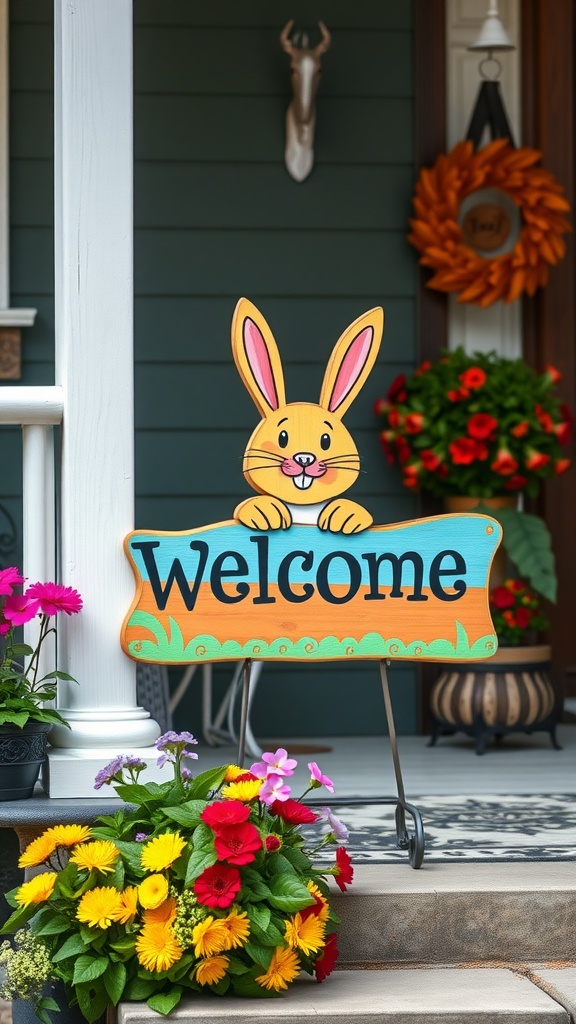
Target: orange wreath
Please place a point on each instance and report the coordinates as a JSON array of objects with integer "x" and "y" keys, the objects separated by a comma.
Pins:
[{"x": 438, "y": 236}]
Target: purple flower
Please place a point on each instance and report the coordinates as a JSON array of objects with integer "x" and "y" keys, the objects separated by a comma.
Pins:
[
  {"x": 113, "y": 770},
  {"x": 317, "y": 779},
  {"x": 130, "y": 761},
  {"x": 332, "y": 824},
  {"x": 171, "y": 738},
  {"x": 274, "y": 764},
  {"x": 191, "y": 754},
  {"x": 169, "y": 757},
  {"x": 273, "y": 789},
  {"x": 186, "y": 774},
  {"x": 140, "y": 837}
]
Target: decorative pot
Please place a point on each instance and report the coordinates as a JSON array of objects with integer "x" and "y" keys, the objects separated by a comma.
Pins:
[
  {"x": 22, "y": 754},
  {"x": 464, "y": 503},
  {"x": 511, "y": 692}
]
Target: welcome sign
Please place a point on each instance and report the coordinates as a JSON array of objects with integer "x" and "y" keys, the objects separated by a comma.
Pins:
[{"x": 417, "y": 590}]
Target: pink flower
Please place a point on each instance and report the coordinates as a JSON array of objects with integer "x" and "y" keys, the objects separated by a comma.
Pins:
[
  {"x": 274, "y": 764},
  {"x": 19, "y": 609},
  {"x": 54, "y": 598},
  {"x": 4, "y": 628},
  {"x": 317, "y": 779},
  {"x": 9, "y": 578},
  {"x": 274, "y": 788}
]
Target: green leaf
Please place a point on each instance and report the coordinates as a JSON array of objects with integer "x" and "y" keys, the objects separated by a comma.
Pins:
[
  {"x": 18, "y": 919},
  {"x": 115, "y": 981},
  {"x": 270, "y": 936},
  {"x": 72, "y": 947},
  {"x": 246, "y": 985},
  {"x": 297, "y": 859},
  {"x": 259, "y": 915},
  {"x": 92, "y": 1000},
  {"x": 53, "y": 926},
  {"x": 187, "y": 814},
  {"x": 140, "y": 988},
  {"x": 164, "y": 1002},
  {"x": 261, "y": 955},
  {"x": 279, "y": 865},
  {"x": 204, "y": 854},
  {"x": 203, "y": 784},
  {"x": 21, "y": 651},
  {"x": 529, "y": 544},
  {"x": 289, "y": 893},
  {"x": 88, "y": 968},
  {"x": 132, "y": 854},
  {"x": 254, "y": 888}
]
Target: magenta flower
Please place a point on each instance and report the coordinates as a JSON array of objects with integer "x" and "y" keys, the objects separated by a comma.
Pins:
[
  {"x": 54, "y": 598},
  {"x": 19, "y": 609},
  {"x": 5, "y": 627},
  {"x": 317, "y": 779},
  {"x": 274, "y": 788},
  {"x": 274, "y": 764},
  {"x": 9, "y": 578}
]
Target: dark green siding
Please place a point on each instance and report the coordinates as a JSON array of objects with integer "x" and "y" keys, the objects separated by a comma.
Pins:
[{"x": 216, "y": 217}]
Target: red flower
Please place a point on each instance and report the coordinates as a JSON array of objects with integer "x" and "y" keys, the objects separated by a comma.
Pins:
[
  {"x": 238, "y": 844},
  {"x": 430, "y": 460},
  {"x": 516, "y": 482},
  {"x": 225, "y": 812},
  {"x": 381, "y": 406},
  {"x": 553, "y": 374},
  {"x": 516, "y": 586},
  {"x": 273, "y": 843},
  {"x": 394, "y": 418},
  {"x": 53, "y": 598},
  {"x": 521, "y": 429},
  {"x": 327, "y": 957},
  {"x": 473, "y": 378},
  {"x": 536, "y": 460},
  {"x": 414, "y": 422},
  {"x": 565, "y": 429},
  {"x": 458, "y": 395},
  {"x": 481, "y": 426},
  {"x": 505, "y": 464},
  {"x": 502, "y": 597},
  {"x": 397, "y": 391},
  {"x": 217, "y": 886},
  {"x": 423, "y": 368},
  {"x": 293, "y": 812},
  {"x": 345, "y": 872},
  {"x": 523, "y": 616},
  {"x": 561, "y": 465},
  {"x": 463, "y": 451},
  {"x": 403, "y": 449},
  {"x": 386, "y": 436},
  {"x": 545, "y": 419}
]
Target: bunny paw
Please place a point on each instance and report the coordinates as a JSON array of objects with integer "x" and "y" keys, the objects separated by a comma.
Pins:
[
  {"x": 344, "y": 516},
  {"x": 263, "y": 513}
]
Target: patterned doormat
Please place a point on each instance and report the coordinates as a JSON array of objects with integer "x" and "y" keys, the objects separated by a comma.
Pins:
[{"x": 478, "y": 828}]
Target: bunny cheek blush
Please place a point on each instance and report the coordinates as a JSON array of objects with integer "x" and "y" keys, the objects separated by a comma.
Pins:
[{"x": 301, "y": 457}]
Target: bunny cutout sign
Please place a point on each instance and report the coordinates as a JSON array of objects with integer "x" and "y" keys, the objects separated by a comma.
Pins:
[
  {"x": 301, "y": 457},
  {"x": 300, "y": 572}
]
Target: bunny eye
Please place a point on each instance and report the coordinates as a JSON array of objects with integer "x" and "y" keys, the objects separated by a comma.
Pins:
[
  {"x": 283, "y": 439},
  {"x": 325, "y": 442}
]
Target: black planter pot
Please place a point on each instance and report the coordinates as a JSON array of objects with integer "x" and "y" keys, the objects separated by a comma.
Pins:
[{"x": 22, "y": 754}]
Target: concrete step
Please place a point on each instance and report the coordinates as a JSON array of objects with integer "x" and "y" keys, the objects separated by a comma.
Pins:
[
  {"x": 449, "y": 996},
  {"x": 459, "y": 913}
]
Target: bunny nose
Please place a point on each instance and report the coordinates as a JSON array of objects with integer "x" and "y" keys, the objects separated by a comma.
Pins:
[{"x": 304, "y": 458}]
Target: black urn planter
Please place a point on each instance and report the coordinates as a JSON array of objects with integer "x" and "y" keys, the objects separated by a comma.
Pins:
[
  {"x": 22, "y": 754},
  {"x": 512, "y": 692}
]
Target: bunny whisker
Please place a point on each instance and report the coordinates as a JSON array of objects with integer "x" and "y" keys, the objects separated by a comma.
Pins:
[
  {"x": 252, "y": 469},
  {"x": 340, "y": 458},
  {"x": 351, "y": 469},
  {"x": 264, "y": 453}
]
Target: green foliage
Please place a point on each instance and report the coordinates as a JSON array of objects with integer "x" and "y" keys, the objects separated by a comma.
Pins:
[
  {"x": 127, "y": 917},
  {"x": 529, "y": 544}
]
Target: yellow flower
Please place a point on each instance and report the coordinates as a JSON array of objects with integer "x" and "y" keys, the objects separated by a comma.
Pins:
[
  {"x": 210, "y": 971},
  {"x": 69, "y": 835},
  {"x": 232, "y": 772},
  {"x": 284, "y": 967},
  {"x": 307, "y": 934},
  {"x": 238, "y": 928},
  {"x": 324, "y": 913},
  {"x": 100, "y": 855},
  {"x": 209, "y": 937},
  {"x": 157, "y": 948},
  {"x": 243, "y": 791},
  {"x": 128, "y": 905},
  {"x": 160, "y": 853},
  {"x": 38, "y": 851},
  {"x": 153, "y": 891},
  {"x": 164, "y": 914},
  {"x": 100, "y": 907},
  {"x": 37, "y": 889}
]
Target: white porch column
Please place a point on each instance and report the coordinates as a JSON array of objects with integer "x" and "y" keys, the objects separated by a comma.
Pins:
[{"x": 94, "y": 366}]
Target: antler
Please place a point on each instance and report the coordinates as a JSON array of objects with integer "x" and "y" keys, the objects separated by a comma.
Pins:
[
  {"x": 285, "y": 37},
  {"x": 324, "y": 42}
]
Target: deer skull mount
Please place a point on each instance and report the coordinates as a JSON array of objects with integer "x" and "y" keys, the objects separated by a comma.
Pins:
[{"x": 305, "y": 66}]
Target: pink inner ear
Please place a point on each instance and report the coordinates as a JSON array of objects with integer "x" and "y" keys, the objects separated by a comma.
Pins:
[
  {"x": 259, "y": 361},
  {"x": 351, "y": 368}
]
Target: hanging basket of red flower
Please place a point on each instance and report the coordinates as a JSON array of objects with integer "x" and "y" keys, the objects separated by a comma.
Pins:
[
  {"x": 479, "y": 425},
  {"x": 476, "y": 263}
]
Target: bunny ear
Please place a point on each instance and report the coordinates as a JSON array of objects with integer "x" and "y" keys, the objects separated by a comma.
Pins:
[
  {"x": 257, "y": 358},
  {"x": 352, "y": 359}
]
